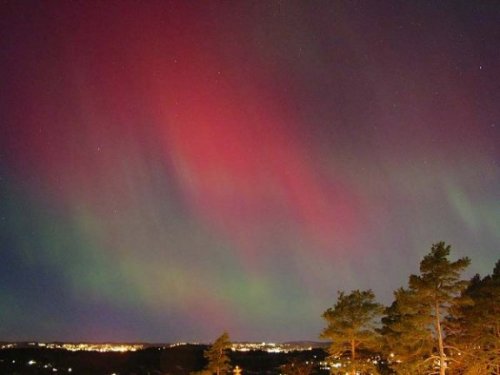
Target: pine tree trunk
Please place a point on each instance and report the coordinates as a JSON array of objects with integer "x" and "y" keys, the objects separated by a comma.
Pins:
[
  {"x": 220, "y": 357},
  {"x": 353, "y": 355},
  {"x": 442, "y": 363}
]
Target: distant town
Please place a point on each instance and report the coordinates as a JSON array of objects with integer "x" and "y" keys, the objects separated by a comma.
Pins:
[{"x": 268, "y": 347}]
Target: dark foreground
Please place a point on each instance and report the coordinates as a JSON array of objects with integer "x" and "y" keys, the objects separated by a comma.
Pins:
[{"x": 180, "y": 360}]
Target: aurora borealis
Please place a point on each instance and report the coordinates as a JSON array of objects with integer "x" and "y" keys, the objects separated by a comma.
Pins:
[{"x": 170, "y": 169}]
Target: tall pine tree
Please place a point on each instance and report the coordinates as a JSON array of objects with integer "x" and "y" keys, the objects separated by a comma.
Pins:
[
  {"x": 424, "y": 307},
  {"x": 407, "y": 342}
]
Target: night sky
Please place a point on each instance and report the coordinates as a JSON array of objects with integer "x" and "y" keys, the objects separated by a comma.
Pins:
[{"x": 169, "y": 170}]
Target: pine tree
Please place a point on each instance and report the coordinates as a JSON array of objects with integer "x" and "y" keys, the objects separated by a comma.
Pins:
[
  {"x": 352, "y": 328},
  {"x": 474, "y": 328},
  {"x": 407, "y": 342},
  {"x": 218, "y": 360},
  {"x": 424, "y": 309}
]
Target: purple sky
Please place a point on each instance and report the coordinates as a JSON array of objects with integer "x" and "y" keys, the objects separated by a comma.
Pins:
[{"x": 170, "y": 169}]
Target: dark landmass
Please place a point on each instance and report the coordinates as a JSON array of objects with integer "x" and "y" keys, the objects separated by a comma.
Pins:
[{"x": 178, "y": 360}]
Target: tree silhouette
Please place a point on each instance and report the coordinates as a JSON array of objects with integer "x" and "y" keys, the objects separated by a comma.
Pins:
[{"x": 218, "y": 360}]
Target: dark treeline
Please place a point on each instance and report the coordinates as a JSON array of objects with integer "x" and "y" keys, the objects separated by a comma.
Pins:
[{"x": 179, "y": 360}]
